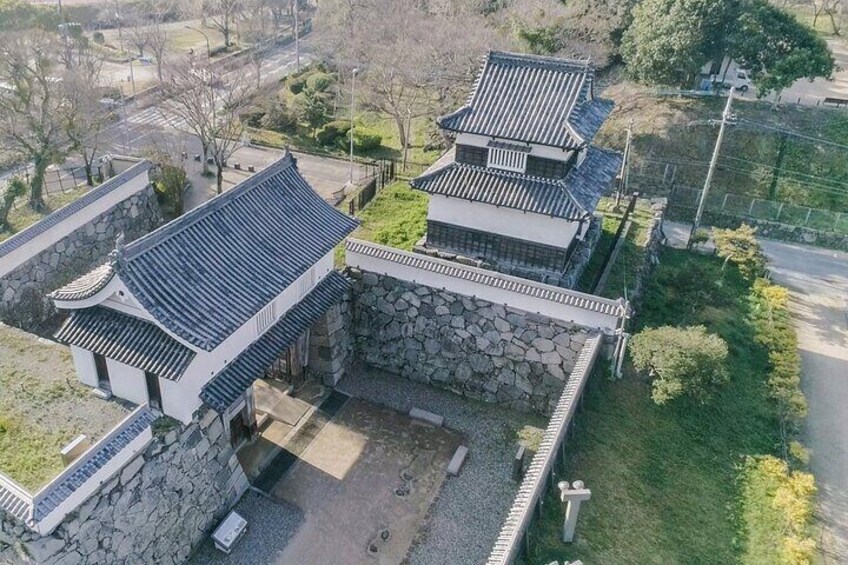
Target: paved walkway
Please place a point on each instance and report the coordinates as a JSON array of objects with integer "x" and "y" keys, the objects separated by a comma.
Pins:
[{"x": 818, "y": 281}]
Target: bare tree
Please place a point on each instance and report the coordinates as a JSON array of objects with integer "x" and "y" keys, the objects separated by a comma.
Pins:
[
  {"x": 83, "y": 117},
  {"x": 222, "y": 16},
  {"x": 414, "y": 56},
  {"x": 258, "y": 26},
  {"x": 138, "y": 31},
  {"x": 31, "y": 103},
  {"x": 210, "y": 107}
]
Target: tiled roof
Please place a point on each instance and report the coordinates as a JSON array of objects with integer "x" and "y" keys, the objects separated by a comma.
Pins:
[
  {"x": 92, "y": 461},
  {"x": 571, "y": 198},
  {"x": 208, "y": 272},
  {"x": 532, "y": 99},
  {"x": 87, "y": 285},
  {"x": 618, "y": 308},
  {"x": 130, "y": 340},
  {"x": 15, "y": 500},
  {"x": 80, "y": 203},
  {"x": 238, "y": 376}
]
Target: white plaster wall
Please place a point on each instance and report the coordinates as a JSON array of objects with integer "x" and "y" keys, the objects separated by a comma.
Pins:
[
  {"x": 536, "y": 150},
  {"x": 180, "y": 399},
  {"x": 127, "y": 382},
  {"x": 460, "y": 285},
  {"x": 84, "y": 364},
  {"x": 44, "y": 240},
  {"x": 537, "y": 228}
]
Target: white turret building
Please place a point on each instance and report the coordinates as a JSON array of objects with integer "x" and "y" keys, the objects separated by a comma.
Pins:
[{"x": 519, "y": 187}]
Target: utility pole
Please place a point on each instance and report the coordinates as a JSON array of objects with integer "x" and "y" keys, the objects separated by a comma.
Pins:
[
  {"x": 713, "y": 162},
  {"x": 297, "y": 34},
  {"x": 625, "y": 167},
  {"x": 352, "y": 115}
]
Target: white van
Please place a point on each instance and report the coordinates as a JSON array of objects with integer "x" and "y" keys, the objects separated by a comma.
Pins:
[{"x": 738, "y": 79}]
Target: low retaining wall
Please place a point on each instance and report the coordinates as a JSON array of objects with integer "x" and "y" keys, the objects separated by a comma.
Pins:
[
  {"x": 471, "y": 346},
  {"x": 331, "y": 345},
  {"x": 766, "y": 229},
  {"x": 156, "y": 509},
  {"x": 653, "y": 248},
  {"x": 540, "y": 474},
  {"x": 69, "y": 243}
]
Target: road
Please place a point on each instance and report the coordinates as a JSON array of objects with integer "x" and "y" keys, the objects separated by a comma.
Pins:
[{"x": 818, "y": 281}]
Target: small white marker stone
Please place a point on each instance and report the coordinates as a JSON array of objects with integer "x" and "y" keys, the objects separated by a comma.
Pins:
[
  {"x": 457, "y": 460},
  {"x": 419, "y": 414}
]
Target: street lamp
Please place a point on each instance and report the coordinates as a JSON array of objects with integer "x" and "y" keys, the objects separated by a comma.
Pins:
[
  {"x": 352, "y": 108},
  {"x": 206, "y": 37}
]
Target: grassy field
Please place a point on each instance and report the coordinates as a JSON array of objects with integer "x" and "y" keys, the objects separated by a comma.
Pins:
[
  {"x": 664, "y": 478},
  {"x": 396, "y": 217},
  {"x": 630, "y": 257},
  {"x": 755, "y": 161},
  {"x": 22, "y": 216},
  {"x": 43, "y": 407}
]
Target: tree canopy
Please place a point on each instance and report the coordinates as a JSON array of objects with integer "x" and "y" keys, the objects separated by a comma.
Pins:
[
  {"x": 680, "y": 361},
  {"x": 670, "y": 40}
]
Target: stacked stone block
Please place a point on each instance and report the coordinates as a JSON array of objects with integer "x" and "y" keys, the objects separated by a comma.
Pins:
[
  {"x": 330, "y": 344},
  {"x": 475, "y": 348},
  {"x": 157, "y": 509}
]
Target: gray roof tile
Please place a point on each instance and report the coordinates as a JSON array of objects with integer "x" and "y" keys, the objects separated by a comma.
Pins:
[
  {"x": 570, "y": 198},
  {"x": 127, "y": 339},
  {"x": 238, "y": 376},
  {"x": 87, "y": 285},
  {"x": 92, "y": 461},
  {"x": 532, "y": 99},
  {"x": 208, "y": 272},
  {"x": 494, "y": 279}
]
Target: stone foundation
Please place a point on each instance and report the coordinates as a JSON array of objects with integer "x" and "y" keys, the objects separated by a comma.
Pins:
[
  {"x": 330, "y": 344},
  {"x": 155, "y": 510},
  {"x": 475, "y": 348},
  {"x": 23, "y": 301}
]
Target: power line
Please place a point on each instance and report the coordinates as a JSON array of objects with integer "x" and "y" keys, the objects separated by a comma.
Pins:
[
  {"x": 787, "y": 171},
  {"x": 792, "y": 133}
]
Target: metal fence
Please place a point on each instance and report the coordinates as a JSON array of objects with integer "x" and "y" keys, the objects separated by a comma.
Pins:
[
  {"x": 758, "y": 209},
  {"x": 56, "y": 181},
  {"x": 381, "y": 173}
]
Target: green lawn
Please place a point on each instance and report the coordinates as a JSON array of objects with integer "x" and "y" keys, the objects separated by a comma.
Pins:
[
  {"x": 43, "y": 407},
  {"x": 630, "y": 257},
  {"x": 664, "y": 478},
  {"x": 396, "y": 217},
  {"x": 21, "y": 217}
]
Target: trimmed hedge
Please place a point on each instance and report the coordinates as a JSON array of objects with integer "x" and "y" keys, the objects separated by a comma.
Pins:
[{"x": 777, "y": 511}]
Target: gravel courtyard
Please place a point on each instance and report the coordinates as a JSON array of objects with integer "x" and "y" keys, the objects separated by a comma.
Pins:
[{"x": 467, "y": 515}]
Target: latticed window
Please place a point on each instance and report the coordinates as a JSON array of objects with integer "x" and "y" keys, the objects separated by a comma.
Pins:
[{"x": 507, "y": 160}]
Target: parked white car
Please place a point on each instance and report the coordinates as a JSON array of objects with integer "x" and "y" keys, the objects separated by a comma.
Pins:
[{"x": 738, "y": 79}]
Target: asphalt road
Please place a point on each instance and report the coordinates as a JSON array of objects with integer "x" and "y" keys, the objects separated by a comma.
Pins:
[{"x": 818, "y": 281}]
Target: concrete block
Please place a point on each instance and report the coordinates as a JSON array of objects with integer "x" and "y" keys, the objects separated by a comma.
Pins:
[
  {"x": 457, "y": 460},
  {"x": 424, "y": 415}
]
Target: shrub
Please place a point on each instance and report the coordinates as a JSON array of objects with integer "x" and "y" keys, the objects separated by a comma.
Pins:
[
  {"x": 331, "y": 133},
  {"x": 363, "y": 140},
  {"x": 279, "y": 118},
  {"x": 15, "y": 188},
  {"x": 680, "y": 361},
  {"x": 311, "y": 108},
  {"x": 98, "y": 38},
  {"x": 777, "y": 510},
  {"x": 319, "y": 82},
  {"x": 297, "y": 84},
  {"x": 740, "y": 246}
]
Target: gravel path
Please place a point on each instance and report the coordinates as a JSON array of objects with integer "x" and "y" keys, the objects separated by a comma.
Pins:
[
  {"x": 270, "y": 525},
  {"x": 469, "y": 511}
]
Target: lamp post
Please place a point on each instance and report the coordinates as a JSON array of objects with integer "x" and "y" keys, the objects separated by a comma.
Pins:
[
  {"x": 206, "y": 37},
  {"x": 352, "y": 113}
]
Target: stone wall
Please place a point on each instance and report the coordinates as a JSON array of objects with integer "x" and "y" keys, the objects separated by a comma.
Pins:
[
  {"x": 330, "y": 344},
  {"x": 653, "y": 247},
  {"x": 23, "y": 301},
  {"x": 156, "y": 510},
  {"x": 577, "y": 263},
  {"x": 766, "y": 229},
  {"x": 475, "y": 348}
]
